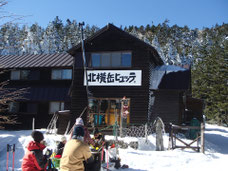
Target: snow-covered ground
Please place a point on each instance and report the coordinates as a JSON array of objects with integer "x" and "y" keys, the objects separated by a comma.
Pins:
[{"x": 143, "y": 159}]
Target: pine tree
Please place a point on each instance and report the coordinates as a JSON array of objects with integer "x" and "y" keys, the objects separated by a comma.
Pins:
[{"x": 210, "y": 77}]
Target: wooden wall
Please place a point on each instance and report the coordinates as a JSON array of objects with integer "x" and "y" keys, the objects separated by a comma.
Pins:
[
  {"x": 167, "y": 104},
  {"x": 40, "y": 97}
]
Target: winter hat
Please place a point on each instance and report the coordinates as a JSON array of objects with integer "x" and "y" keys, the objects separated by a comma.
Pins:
[
  {"x": 78, "y": 132},
  {"x": 63, "y": 138},
  {"x": 37, "y": 136},
  {"x": 79, "y": 121}
]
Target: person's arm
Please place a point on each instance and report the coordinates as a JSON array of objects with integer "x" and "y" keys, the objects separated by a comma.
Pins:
[
  {"x": 87, "y": 154},
  {"x": 90, "y": 160}
]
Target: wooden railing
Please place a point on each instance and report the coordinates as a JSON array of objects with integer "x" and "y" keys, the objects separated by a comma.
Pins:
[{"x": 199, "y": 137}]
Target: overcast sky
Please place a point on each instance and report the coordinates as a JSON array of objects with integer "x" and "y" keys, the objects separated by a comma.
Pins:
[{"x": 193, "y": 13}]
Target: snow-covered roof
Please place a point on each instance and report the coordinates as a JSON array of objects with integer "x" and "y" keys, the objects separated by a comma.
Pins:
[{"x": 170, "y": 77}]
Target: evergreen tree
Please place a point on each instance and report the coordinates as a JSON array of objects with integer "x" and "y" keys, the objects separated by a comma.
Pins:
[{"x": 210, "y": 77}]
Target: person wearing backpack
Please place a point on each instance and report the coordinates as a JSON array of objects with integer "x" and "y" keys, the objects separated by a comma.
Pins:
[
  {"x": 34, "y": 160},
  {"x": 75, "y": 152}
]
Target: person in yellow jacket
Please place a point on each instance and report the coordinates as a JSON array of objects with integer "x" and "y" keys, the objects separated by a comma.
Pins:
[{"x": 76, "y": 152}]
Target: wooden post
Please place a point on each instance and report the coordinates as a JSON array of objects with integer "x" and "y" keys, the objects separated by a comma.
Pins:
[
  {"x": 33, "y": 124},
  {"x": 146, "y": 133},
  {"x": 121, "y": 120},
  {"x": 171, "y": 127},
  {"x": 202, "y": 137},
  {"x": 116, "y": 123}
]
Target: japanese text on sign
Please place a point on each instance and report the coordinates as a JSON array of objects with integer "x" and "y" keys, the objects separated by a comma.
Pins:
[{"x": 114, "y": 78}]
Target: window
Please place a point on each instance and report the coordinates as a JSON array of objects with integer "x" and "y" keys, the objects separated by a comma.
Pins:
[
  {"x": 13, "y": 107},
  {"x": 20, "y": 75},
  {"x": 112, "y": 59},
  {"x": 96, "y": 60},
  {"x": 126, "y": 59},
  {"x": 15, "y": 75},
  {"x": 23, "y": 107},
  {"x": 116, "y": 59},
  {"x": 61, "y": 74},
  {"x": 105, "y": 111},
  {"x": 56, "y": 106}
]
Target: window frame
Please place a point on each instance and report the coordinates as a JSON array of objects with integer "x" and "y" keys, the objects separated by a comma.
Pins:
[
  {"x": 98, "y": 113},
  {"x": 20, "y": 74},
  {"x": 111, "y": 61},
  {"x": 61, "y": 74}
]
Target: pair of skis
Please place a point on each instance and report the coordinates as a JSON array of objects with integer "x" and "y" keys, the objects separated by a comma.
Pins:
[{"x": 10, "y": 148}]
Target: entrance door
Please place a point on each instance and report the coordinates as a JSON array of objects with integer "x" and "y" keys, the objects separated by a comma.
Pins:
[{"x": 104, "y": 111}]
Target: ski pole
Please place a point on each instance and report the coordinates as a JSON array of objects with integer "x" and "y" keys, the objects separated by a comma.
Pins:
[
  {"x": 13, "y": 156},
  {"x": 7, "y": 156},
  {"x": 102, "y": 154},
  {"x": 107, "y": 159}
]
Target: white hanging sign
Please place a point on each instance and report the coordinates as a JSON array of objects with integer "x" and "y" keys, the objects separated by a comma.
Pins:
[{"x": 114, "y": 78}]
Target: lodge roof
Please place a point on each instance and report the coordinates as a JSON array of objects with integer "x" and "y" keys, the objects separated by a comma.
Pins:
[
  {"x": 170, "y": 77},
  {"x": 36, "y": 60},
  {"x": 111, "y": 28}
]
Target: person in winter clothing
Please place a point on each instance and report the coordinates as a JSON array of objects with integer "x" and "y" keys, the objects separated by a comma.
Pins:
[
  {"x": 34, "y": 160},
  {"x": 87, "y": 138},
  {"x": 98, "y": 139},
  {"x": 60, "y": 147},
  {"x": 75, "y": 152}
]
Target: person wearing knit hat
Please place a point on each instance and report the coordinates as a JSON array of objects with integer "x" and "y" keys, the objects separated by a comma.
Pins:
[
  {"x": 34, "y": 158},
  {"x": 87, "y": 138},
  {"x": 37, "y": 136},
  {"x": 79, "y": 121},
  {"x": 75, "y": 152}
]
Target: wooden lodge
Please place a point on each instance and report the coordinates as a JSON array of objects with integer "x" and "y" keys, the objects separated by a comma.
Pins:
[{"x": 121, "y": 65}]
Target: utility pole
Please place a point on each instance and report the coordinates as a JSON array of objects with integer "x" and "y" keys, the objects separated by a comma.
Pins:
[{"x": 85, "y": 65}]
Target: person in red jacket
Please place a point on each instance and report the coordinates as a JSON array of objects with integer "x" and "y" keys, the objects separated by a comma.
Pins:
[{"x": 34, "y": 160}]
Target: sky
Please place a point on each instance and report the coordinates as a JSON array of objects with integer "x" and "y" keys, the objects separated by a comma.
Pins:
[
  {"x": 193, "y": 13},
  {"x": 145, "y": 158}
]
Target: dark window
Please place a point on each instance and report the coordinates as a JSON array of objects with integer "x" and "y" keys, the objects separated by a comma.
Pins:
[
  {"x": 96, "y": 60},
  {"x": 126, "y": 59},
  {"x": 20, "y": 75},
  {"x": 112, "y": 59},
  {"x": 105, "y": 59},
  {"x": 23, "y": 107},
  {"x": 61, "y": 74},
  {"x": 116, "y": 59},
  {"x": 13, "y": 107}
]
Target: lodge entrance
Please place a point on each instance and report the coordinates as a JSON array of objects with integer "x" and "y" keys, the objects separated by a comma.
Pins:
[{"x": 102, "y": 111}]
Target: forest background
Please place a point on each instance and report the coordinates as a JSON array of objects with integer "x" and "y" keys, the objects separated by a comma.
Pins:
[{"x": 205, "y": 50}]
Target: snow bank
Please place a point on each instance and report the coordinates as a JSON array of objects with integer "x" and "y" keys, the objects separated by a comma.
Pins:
[{"x": 143, "y": 159}]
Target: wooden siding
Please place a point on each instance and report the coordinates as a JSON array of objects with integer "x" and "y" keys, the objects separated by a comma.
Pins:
[
  {"x": 166, "y": 106},
  {"x": 43, "y": 91},
  {"x": 139, "y": 96}
]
